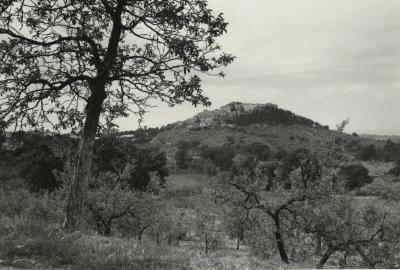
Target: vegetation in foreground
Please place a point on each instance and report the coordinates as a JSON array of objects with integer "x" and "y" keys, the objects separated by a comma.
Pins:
[{"x": 253, "y": 208}]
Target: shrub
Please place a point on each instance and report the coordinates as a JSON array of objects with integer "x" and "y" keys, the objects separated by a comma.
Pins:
[
  {"x": 368, "y": 152},
  {"x": 354, "y": 176},
  {"x": 395, "y": 170},
  {"x": 51, "y": 247},
  {"x": 113, "y": 155},
  {"x": 41, "y": 169},
  {"x": 23, "y": 204},
  {"x": 384, "y": 189},
  {"x": 48, "y": 245}
]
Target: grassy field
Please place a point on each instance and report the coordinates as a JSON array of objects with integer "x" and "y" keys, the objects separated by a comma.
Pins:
[
  {"x": 35, "y": 246},
  {"x": 183, "y": 190}
]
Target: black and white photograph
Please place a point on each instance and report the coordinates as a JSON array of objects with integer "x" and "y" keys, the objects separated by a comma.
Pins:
[{"x": 199, "y": 134}]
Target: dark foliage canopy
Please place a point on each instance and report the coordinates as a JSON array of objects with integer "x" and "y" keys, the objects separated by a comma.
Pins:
[
  {"x": 220, "y": 156},
  {"x": 392, "y": 150},
  {"x": 121, "y": 156},
  {"x": 307, "y": 162},
  {"x": 354, "y": 176},
  {"x": 38, "y": 158},
  {"x": 183, "y": 157},
  {"x": 55, "y": 53},
  {"x": 368, "y": 152},
  {"x": 395, "y": 170},
  {"x": 272, "y": 115}
]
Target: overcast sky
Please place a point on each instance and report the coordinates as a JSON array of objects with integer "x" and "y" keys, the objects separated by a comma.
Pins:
[{"x": 323, "y": 59}]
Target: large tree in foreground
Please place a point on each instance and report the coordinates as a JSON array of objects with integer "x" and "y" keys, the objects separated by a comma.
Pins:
[{"x": 81, "y": 64}]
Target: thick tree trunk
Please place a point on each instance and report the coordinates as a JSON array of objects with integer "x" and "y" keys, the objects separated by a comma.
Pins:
[
  {"x": 83, "y": 160},
  {"x": 279, "y": 240}
]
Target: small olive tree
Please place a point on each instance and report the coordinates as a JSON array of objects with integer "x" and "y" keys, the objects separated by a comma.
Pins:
[
  {"x": 208, "y": 229},
  {"x": 237, "y": 222},
  {"x": 109, "y": 200},
  {"x": 344, "y": 224},
  {"x": 247, "y": 191}
]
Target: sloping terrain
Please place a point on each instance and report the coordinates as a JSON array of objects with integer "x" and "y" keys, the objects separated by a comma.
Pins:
[{"x": 266, "y": 124}]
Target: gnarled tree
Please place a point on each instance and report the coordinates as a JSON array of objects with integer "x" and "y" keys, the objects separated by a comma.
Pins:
[{"x": 80, "y": 64}]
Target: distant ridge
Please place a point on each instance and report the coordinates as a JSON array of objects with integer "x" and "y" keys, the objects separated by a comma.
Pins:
[{"x": 394, "y": 138}]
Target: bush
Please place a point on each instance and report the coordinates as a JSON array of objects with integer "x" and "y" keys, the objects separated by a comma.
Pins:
[
  {"x": 113, "y": 155},
  {"x": 38, "y": 158},
  {"x": 29, "y": 230},
  {"x": 381, "y": 188},
  {"x": 51, "y": 247},
  {"x": 23, "y": 204},
  {"x": 354, "y": 176},
  {"x": 41, "y": 169},
  {"x": 395, "y": 170},
  {"x": 368, "y": 152},
  {"x": 48, "y": 246}
]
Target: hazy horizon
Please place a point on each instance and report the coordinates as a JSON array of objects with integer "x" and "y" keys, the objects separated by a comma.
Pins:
[{"x": 325, "y": 60}]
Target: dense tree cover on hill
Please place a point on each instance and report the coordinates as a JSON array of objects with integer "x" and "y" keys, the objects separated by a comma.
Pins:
[
  {"x": 271, "y": 115},
  {"x": 383, "y": 151},
  {"x": 391, "y": 151},
  {"x": 183, "y": 157},
  {"x": 221, "y": 157}
]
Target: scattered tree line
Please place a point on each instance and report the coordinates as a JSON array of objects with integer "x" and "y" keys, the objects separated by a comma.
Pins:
[{"x": 40, "y": 159}]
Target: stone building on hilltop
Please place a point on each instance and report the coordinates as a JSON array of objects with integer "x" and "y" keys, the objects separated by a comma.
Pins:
[{"x": 220, "y": 116}]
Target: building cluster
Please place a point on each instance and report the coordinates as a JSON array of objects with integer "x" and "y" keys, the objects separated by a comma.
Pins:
[{"x": 221, "y": 116}]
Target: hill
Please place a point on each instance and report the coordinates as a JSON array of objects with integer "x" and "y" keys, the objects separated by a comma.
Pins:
[
  {"x": 243, "y": 114},
  {"x": 244, "y": 123}
]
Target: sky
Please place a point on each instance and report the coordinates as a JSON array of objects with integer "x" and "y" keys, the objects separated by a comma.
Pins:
[{"x": 323, "y": 59}]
